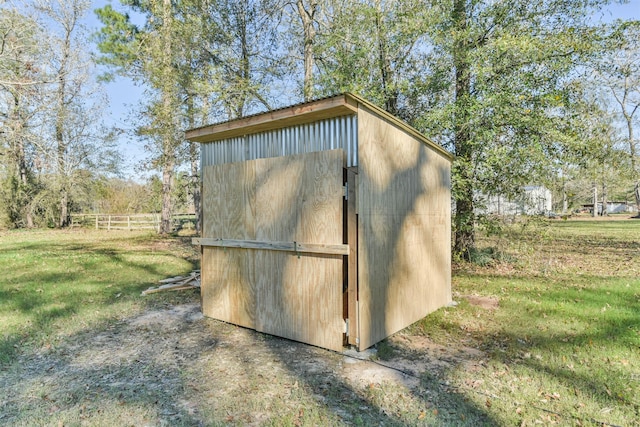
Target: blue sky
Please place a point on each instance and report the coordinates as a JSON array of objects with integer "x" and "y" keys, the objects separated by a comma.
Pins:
[{"x": 124, "y": 95}]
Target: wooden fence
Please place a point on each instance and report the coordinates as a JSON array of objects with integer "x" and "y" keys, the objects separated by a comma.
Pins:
[{"x": 131, "y": 221}]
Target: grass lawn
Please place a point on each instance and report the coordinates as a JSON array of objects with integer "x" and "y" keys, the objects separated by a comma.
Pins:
[
  {"x": 563, "y": 345},
  {"x": 550, "y": 313},
  {"x": 57, "y": 283}
]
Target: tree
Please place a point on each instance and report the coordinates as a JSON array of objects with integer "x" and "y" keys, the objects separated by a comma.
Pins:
[
  {"x": 620, "y": 72},
  {"x": 242, "y": 59},
  {"x": 307, "y": 13},
  {"x": 496, "y": 73},
  {"x": 21, "y": 78},
  {"x": 485, "y": 79},
  {"x": 68, "y": 77},
  {"x": 72, "y": 137},
  {"x": 50, "y": 112},
  {"x": 147, "y": 55},
  {"x": 372, "y": 48},
  {"x": 199, "y": 60}
]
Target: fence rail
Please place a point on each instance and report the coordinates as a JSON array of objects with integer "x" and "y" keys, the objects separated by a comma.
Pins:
[{"x": 131, "y": 222}]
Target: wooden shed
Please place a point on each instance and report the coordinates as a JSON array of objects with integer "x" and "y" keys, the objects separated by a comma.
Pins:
[{"x": 327, "y": 222}]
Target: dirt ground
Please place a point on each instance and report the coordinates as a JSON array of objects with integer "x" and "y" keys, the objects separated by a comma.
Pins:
[{"x": 172, "y": 366}]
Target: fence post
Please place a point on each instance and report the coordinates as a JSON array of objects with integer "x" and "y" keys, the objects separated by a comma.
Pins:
[
  {"x": 97, "y": 221},
  {"x": 109, "y": 223},
  {"x": 129, "y": 222}
]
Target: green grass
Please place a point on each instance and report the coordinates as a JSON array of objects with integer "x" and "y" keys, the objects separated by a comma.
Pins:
[
  {"x": 56, "y": 283},
  {"x": 564, "y": 344},
  {"x": 562, "y": 347}
]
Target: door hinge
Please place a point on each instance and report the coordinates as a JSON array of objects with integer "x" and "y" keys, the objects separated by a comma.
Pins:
[
  {"x": 346, "y": 326},
  {"x": 345, "y": 188}
]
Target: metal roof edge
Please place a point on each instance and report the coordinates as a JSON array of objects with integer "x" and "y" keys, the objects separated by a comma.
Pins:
[{"x": 305, "y": 112}]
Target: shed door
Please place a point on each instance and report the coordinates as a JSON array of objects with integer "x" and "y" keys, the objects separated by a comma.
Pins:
[{"x": 258, "y": 205}]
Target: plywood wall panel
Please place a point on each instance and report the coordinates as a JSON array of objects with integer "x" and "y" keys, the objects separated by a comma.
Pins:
[
  {"x": 284, "y": 199},
  {"x": 228, "y": 201},
  {"x": 404, "y": 226},
  {"x": 228, "y": 274},
  {"x": 228, "y": 285},
  {"x": 299, "y": 198}
]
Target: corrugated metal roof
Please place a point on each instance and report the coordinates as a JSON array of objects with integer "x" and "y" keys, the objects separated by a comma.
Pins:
[{"x": 298, "y": 114}]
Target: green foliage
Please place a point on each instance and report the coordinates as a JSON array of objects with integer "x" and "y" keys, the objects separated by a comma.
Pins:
[
  {"x": 494, "y": 82},
  {"x": 119, "y": 37},
  {"x": 372, "y": 48},
  {"x": 52, "y": 143},
  {"x": 485, "y": 257}
]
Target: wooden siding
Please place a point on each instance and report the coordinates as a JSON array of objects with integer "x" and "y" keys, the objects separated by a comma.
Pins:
[
  {"x": 300, "y": 198},
  {"x": 228, "y": 276},
  {"x": 404, "y": 226},
  {"x": 285, "y": 199}
]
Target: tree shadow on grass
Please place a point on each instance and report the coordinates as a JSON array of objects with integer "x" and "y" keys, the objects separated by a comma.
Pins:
[
  {"x": 172, "y": 367},
  {"x": 349, "y": 390},
  {"x": 51, "y": 282},
  {"x": 581, "y": 340},
  {"x": 111, "y": 374},
  {"x": 610, "y": 387}
]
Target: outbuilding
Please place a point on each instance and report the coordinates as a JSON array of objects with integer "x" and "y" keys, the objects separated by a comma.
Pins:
[{"x": 327, "y": 222}]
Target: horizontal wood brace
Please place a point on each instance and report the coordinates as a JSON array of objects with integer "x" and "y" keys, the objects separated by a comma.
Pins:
[{"x": 295, "y": 247}]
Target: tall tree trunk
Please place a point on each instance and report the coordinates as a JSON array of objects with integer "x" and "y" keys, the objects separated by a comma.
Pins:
[
  {"x": 21, "y": 200},
  {"x": 632, "y": 153},
  {"x": 605, "y": 210},
  {"x": 632, "y": 146},
  {"x": 61, "y": 117},
  {"x": 194, "y": 159},
  {"x": 463, "y": 191},
  {"x": 307, "y": 18},
  {"x": 628, "y": 116},
  {"x": 168, "y": 146},
  {"x": 384, "y": 65},
  {"x": 61, "y": 152},
  {"x": 595, "y": 199},
  {"x": 565, "y": 201},
  {"x": 168, "y": 170},
  {"x": 245, "y": 69},
  {"x": 24, "y": 182}
]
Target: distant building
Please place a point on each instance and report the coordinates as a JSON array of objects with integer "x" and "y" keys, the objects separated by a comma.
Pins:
[
  {"x": 534, "y": 200},
  {"x": 612, "y": 207}
]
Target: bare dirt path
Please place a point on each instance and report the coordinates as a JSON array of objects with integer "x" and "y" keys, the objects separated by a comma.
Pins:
[{"x": 172, "y": 366}]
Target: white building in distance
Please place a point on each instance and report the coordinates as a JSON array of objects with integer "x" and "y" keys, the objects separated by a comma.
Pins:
[{"x": 534, "y": 200}]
